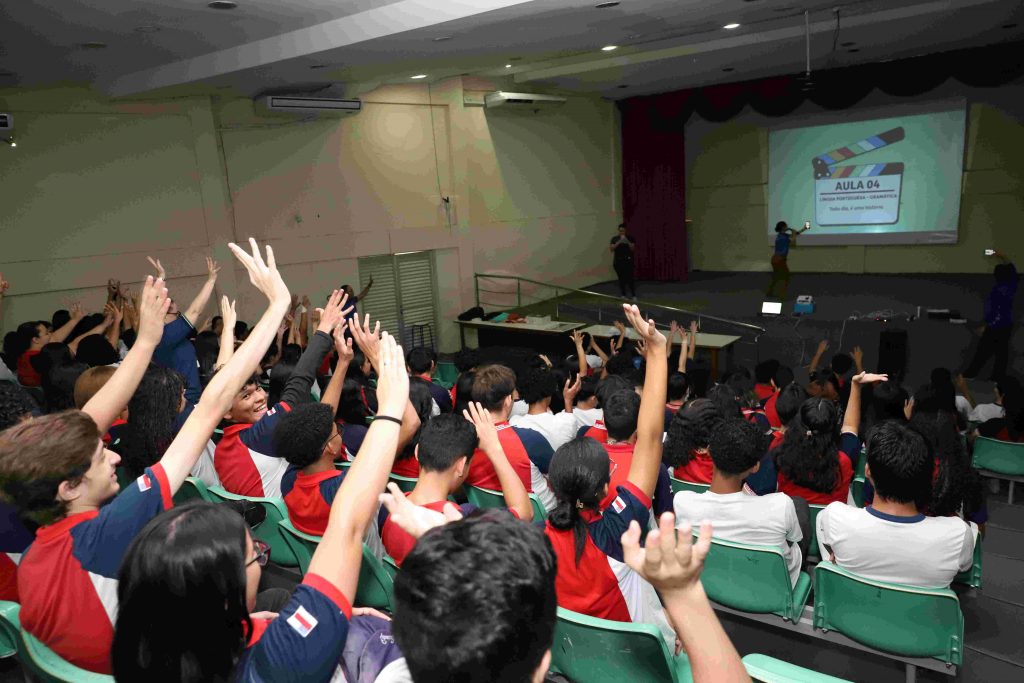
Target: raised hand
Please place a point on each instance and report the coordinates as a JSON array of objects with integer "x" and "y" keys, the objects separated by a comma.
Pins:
[
  {"x": 343, "y": 344},
  {"x": 671, "y": 562},
  {"x": 392, "y": 378},
  {"x": 305, "y": 301},
  {"x": 869, "y": 378},
  {"x": 673, "y": 330},
  {"x": 693, "y": 328},
  {"x": 641, "y": 348},
  {"x": 620, "y": 327},
  {"x": 227, "y": 313},
  {"x": 822, "y": 347},
  {"x": 113, "y": 289},
  {"x": 367, "y": 339},
  {"x": 76, "y": 311},
  {"x": 114, "y": 312},
  {"x": 333, "y": 312},
  {"x": 153, "y": 305},
  {"x": 577, "y": 338},
  {"x": 211, "y": 269},
  {"x": 858, "y": 356},
  {"x": 484, "y": 423},
  {"x": 569, "y": 391},
  {"x": 263, "y": 275},
  {"x": 4, "y": 284},
  {"x": 413, "y": 519},
  {"x": 161, "y": 274},
  {"x": 645, "y": 328}
]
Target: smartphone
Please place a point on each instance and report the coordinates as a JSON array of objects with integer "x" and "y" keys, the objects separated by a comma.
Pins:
[
  {"x": 807, "y": 224},
  {"x": 990, "y": 252}
]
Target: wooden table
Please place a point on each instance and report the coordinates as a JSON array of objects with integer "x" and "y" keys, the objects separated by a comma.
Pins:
[
  {"x": 714, "y": 343},
  {"x": 553, "y": 327}
]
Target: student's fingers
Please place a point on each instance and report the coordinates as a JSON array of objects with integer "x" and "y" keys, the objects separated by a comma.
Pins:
[
  {"x": 703, "y": 545},
  {"x": 631, "y": 551},
  {"x": 258, "y": 255},
  {"x": 653, "y": 553},
  {"x": 666, "y": 537},
  {"x": 242, "y": 256}
]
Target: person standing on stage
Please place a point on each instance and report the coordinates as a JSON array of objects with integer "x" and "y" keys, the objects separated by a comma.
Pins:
[
  {"x": 784, "y": 239},
  {"x": 624, "y": 247},
  {"x": 998, "y": 328}
]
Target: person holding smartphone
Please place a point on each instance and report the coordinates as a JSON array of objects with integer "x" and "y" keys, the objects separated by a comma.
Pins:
[
  {"x": 624, "y": 248},
  {"x": 998, "y": 327},
  {"x": 785, "y": 237}
]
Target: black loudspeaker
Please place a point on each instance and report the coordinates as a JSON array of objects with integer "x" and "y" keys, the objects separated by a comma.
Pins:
[{"x": 892, "y": 353}]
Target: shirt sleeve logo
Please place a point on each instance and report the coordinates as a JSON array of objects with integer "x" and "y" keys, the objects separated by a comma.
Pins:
[
  {"x": 144, "y": 483},
  {"x": 302, "y": 621},
  {"x": 618, "y": 504}
]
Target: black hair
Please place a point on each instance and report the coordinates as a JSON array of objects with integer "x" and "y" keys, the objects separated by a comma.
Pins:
[
  {"x": 621, "y": 412},
  {"x": 493, "y": 567},
  {"x": 736, "y": 446},
  {"x": 579, "y": 473},
  {"x": 59, "y": 386},
  {"x": 588, "y": 389},
  {"x": 463, "y": 392},
  {"x": 84, "y": 325},
  {"x": 353, "y": 407},
  {"x": 15, "y": 405},
  {"x": 420, "y": 359},
  {"x": 302, "y": 433},
  {"x": 677, "y": 386},
  {"x": 1004, "y": 273},
  {"x": 1013, "y": 405},
  {"x": 207, "y": 349},
  {"x": 954, "y": 477},
  {"x": 423, "y": 403},
  {"x": 809, "y": 452},
  {"x": 60, "y": 318},
  {"x": 241, "y": 330},
  {"x": 279, "y": 376},
  {"x": 466, "y": 359},
  {"x": 95, "y": 350},
  {"x": 621, "y": 363},
  {"x": 783, "y": 375},
  {"x": 559, "y": 375},
  {"x": 781, "y": 226},
  {"x": 841, "y": 363},
  {"x": 52, "y": 355},
  {"x": 764, "y": 372},
  {"x": 888, "y": 402},
  {"x": 189, "y": 559},
  {"x": 445, "y": 439},
  {"x": 152, "y": 411},
  {"x": 901, "y": 466},
  {"x": 355, "y": 366},
  {"x": 787, "y": 405},
  {"x": 726, "y": 399},
  {"x": 536, "y": 385},
  {"x": 22, "y": 341},
  {"x": 690, "y": 429},
  {"x": 612, "y": 384},
  {"x": 742, "y": 384}
]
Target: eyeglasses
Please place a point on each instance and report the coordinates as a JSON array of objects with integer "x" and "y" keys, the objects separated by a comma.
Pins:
[
  {"x": 262, "y": 551},
  {"x": 328, "y": 442}
]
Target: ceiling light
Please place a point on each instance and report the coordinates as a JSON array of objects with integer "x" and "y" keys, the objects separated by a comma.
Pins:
[
  {"x": 10, "y": 141},
  {"x": 222, "y": 4},
  {"x": 729, "y": 27},
  {"x": 606, "y": 5},
  {"x": 609, "y": 48},
  {"x": 418, "y": 77},
  {"x": 508, "y": 66}
]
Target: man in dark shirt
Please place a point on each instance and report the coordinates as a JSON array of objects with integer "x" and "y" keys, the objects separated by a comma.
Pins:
[
  {"x": 998, "y": 328},
  {"x": 623, "y": 246}
]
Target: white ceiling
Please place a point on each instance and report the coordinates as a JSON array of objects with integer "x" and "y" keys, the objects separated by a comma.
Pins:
[{"x": 304, "y": 45}]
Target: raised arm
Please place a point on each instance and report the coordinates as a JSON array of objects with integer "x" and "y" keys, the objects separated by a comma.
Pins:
[
  {"x": 99, "y": 329},
  {"x": 4, "y": 284},
  {"x": 297, "y": 389},
  {"x": 684, "y": 350},
  {"x": 227, "y": 332},
  {"x": 111, "y": 399},
  {"x": 304, "y": 323},
  {"x": 693, "y": 339},
  {"x": 62, "y": 332},
  {"x": 858, "y": 359},
  {"x": 621, "y": 339},
  {"x": 596, "y": 348},
  {"x": 116, "y": 312},
  {"x": 851, "y": 421},
  {"x": 366, "y": 290},
  {"x": 180, "y": 457},
  {"x": 643, "y": 471},
  {"x": 343, "y": 347},
  {"x": 965, "y": 391},
  {"x": 199, "y": 303},
  {"x": 340, "y": 552},
  {"x": 816, "y": 360},
  {"x": 516, "y": 497},
  {"x": 581, "y": 355}
]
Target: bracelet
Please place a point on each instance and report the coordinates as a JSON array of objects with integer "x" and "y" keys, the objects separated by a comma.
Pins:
[{"x": 388, "y": 418}]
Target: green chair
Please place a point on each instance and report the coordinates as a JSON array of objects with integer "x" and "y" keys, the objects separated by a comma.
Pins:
[
  {"x": 857, "y": 485},
  {"x": 771, "y": 670},
  {"x": 753, "y": 578},
  {"x": 192, "y": 489},
  {"x": 486, "y": 499},
  {"x": 592, "y": 650},
  {"x": 812, "y": 513},
  {"x": 972, "y": 577},
  {"x": 903, "y": 620},
  {"x": 680, "y": 485},
  {"x": 268, "y": 531},
  {"x": 376, "y": 578},
  {"x": 446, "y": 374},
  {"x": 9, "y": 626},
  {"x": 39, "y": 661},
  {"x": 407, "y": 484},
  {"x": 999, "y": 460}
]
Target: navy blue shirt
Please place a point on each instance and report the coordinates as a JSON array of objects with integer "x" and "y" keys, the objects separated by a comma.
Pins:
[
  {"x": 782, "y": 244},
  {"x": 176, "y": 352},
  {"x": 999, "y": 304}
]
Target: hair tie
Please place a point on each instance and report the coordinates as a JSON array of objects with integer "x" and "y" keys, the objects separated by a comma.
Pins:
[{"x": 579, "y": 505}]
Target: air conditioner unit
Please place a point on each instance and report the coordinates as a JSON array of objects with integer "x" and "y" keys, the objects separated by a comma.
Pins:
[
  {"x": 525, "y": 100},
  {"x": 6, "y": 122},
  {"x": 311, "y": 105}
]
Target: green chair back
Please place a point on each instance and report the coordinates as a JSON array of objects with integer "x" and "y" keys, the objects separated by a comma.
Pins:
[
  {"x": 9, "y": 627},
  {"x": 407, "y": 484},
  {"x": 972, "y": 577},
  {"x": 753, "y": 578},
  {"x": 486, "y": 499},
  {"x": 40, "y": 662},
  {"x": 857, "y": 485},
  {"x": 192, "y": 489},
  {"x": 269, "y": 530},
  {"x": 680, "y": 485},
  {"x": 902, "y": 620},
  {"x": 376, "y": 578},
  {"x": 446, "y": 374},
  {"x": 1001, "y": 457},
  {"x": 592, "y": 650},
  {"x": 771, "y": 670},
  {"x": 812, "y": 513}
]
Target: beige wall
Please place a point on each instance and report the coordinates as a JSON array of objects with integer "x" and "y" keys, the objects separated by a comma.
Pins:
[
  {"x": 94, "y": 186},
  {"x": 727, "y": 176}
]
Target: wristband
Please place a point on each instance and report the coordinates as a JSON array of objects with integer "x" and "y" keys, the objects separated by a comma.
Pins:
[{"x": 388, "y": 418}]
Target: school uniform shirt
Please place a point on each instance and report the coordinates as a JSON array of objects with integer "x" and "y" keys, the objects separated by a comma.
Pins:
[
  {"x": 308, "y": 498},
  {"x": 204, "y": 469},
  {"x": 758, "y": 520},
  {"x": 14, "y": 538},
  {"x": 440, "y": 395},
  {"x": 557, "y": 429},
  {"x": 397, "y": 543},
  {"x": 601, "y": 584},
  {"x": 620, "y": 459},
  {"x": 588, "y": 416},
  {"x": 771, "y": 413},
  {"x": 245, "y": 459},
  {"x": 305, "y": 641},
  {"x": 527, "y": 451},
  {"x": 406, "y": 467},
  {"x": 983, "y": 412},
  {"x": 27, "y": 374},
  {"x": 67, "y": 579},
  {"x": 764, "y": 391},
  {"x": 699, "y": 470},
  {"x": 352, "y": 436},
  {"x": 596, "y": 431},
  {"x": 849, "y": 451},
  {"x": 918, "y": 551},
  {"x": 176, "y": 352}
]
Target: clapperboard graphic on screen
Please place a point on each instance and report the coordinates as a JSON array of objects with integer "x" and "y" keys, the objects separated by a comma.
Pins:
[{"x": 866, "y": 194}]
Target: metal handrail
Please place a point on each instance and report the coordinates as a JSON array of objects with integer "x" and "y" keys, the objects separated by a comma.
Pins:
[{"x": 559, "y": 289}]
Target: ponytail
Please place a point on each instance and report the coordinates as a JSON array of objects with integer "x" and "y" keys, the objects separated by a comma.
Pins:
[
  {"x": 809, "y": 453},
  {"x": 566, "y": 515},
  {"x": 578, "y": 475}
]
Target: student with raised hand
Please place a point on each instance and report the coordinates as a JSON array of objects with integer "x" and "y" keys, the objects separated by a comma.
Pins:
[
  {"x": 201, "y": 560},
  {"x": 592, "y": 577},
  {"x": 246, "y": 461},
  {"x": 672, "y": 563}
]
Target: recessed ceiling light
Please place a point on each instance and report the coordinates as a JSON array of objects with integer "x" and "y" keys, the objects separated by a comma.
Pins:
[
  {"x": 606, "y": 5},
  {"x": 418, "y": 77},
  {"x": 147, "y": 28},
  {"x": 730, "y": 27},
  {"x": 441, "y": 39},
  {"x": 508, "y": 66},
  {"x": 222, "y": 4},
  {"x": 609, "y": 48},
  {"x": 92, "y": 45}
]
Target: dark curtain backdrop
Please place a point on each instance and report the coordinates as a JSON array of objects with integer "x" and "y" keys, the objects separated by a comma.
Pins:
[{"x": 653, "y": 163}]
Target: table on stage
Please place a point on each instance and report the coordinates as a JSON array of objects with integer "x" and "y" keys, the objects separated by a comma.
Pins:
[
  {"x": 714, "y": 343},
  {"x": 528, "y": 329}
]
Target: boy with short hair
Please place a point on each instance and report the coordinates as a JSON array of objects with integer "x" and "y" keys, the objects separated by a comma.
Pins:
[
  {"x": 621, "y": 415},
  {"x": 422, "y": 362},
  {"x": 537, "y": 386}
]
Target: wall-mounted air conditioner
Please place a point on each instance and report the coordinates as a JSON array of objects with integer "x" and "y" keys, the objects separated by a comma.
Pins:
[
  {"x": 310, "y": 105},
  {"x": 524, "y": 100}
]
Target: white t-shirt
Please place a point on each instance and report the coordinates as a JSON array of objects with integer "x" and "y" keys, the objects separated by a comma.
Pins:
[
  {"x": 983, "y": 412},
  {"x": 758, "y": 520},
  {"x": 557, "y": 429},
  {"x": 588, "y": 417},
  {"x": 918, "y": 551},
  {"x": 520, "y": 407},
  {"x": 963, "y": 408}
]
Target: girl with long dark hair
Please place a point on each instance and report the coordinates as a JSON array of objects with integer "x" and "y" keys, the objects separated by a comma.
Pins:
[{"x": 686, "y": 444}]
